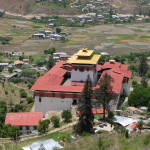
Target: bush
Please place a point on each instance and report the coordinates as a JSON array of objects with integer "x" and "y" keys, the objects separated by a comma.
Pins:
[
  {"x": 29, "y": 100},
  {"x": 55, "y": 120},
  {"x": 66, "y": 115},
  {"x": 134, "y": 83},
  {"x": 50, "y": 50},
  {"x": 23, "y": 94},
  {"x": 43, "y": 126}
]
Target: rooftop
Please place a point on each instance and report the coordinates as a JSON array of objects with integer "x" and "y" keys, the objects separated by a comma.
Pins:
[
  {"x": 55, "y": 79},
  {"x": 23, "y": 118},
  {"x": 84, "y": 56}
]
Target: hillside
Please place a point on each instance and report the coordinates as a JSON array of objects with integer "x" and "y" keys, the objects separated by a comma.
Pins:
[
  {"x": 37, "y": 6},
  {"x": 53, "y": 7}
]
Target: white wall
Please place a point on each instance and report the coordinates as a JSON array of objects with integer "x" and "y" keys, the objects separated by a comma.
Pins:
[
  {"x": 52, "y": 104},
  {"x": 24, "y": 129},
  {"x": 78, "y": 76},
  {"x": 125, "y": 88}
]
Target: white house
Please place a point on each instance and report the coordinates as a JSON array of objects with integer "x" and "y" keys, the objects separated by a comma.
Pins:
[{"x": 27, "y": 121}]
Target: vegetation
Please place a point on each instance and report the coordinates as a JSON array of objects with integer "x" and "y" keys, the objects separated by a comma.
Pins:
[
  {"x": 55, "y": 120},
  {"x": 104, "y": 93},
  {"x": 23, "y": 94},
  {"x": 51, "y": 62},
  {"x": 86, "y": 118},
  {"x": 50, "y": 51},
  {"x": 66, "y": 115},
  {"x": 5, "y": 40},
  {"x": 43, "y": 126},
  {"x": 9, "y": 131},
  {"x": 140, "y": 96}
]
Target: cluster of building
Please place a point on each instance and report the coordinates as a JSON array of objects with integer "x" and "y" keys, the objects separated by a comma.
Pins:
[
  {"x": 5, "y": 76},
  {"x": 61, "y": 87},
  {"x": 42, "y": 34}
]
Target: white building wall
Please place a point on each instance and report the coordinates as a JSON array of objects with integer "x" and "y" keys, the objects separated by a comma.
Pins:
[
  {"x": 30, "y": 130},
  {"x": 125, "y": 89},
  {"x": 52, "y": 104},
  {"x": 78, "y": 76}
]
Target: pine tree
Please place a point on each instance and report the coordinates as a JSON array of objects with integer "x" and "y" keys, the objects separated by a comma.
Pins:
[
  {"x": 86, "y": 118},
  {"x": 144, "y": 82},
  {"x": 51, "y": 62},
  {"x": 143, "y": 66},
  {"x": 104, "y": 93}
]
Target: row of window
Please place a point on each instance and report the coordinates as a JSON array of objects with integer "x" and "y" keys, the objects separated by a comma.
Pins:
[
  {"x": 81, "y": 69},
  {"x": 27, "y": 127}
]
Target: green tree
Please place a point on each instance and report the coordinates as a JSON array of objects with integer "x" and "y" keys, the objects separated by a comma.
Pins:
[
  {"x": 3, "y": 111},
  {"x": 23, "y": 94},
  {"x": 143, "y": 66},
  {"x": 43, "y": 126},
  {"x": 55, "y": 120},
  {"x": 10, "y": 69},
  {"x": 134, "y": 83},
  {"x": 86, "y": 118},
  {"x": 140, "y": 125},
  {"x": 140, "y": 96},
  {"x": 51, "y": 62},
  {"x": 144, "y": 82},
  {"x": 14, "y": 132},
  {"x": 58, "y": 30},
  {"x": 1, "y": 14},
  {"x": 66, "y": 115},
  {"x": 1, "y": 68},
  {"x": 104, "y": 94},
  {"x": 50, "y": 51}
]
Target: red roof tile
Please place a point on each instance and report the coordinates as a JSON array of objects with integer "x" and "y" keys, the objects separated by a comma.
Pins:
[
  {"x": 23, "y": 118},
  {"x": 52, "y": 80}
]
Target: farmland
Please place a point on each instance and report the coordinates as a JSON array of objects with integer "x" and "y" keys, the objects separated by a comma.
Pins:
[{"x": 119, "y": 38}]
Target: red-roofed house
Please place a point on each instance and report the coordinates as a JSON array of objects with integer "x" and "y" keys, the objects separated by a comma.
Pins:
[
  {"x": 61, "y": 87},
  {"x": 18, "y": 63},
  {"x": 27, "y": 121},
  {"x": 134, "y": 110}
]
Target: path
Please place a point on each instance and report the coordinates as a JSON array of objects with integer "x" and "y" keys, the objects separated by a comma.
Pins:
[{"x": 29, "y": 137}]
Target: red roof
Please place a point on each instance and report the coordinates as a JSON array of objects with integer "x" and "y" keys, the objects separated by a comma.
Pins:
[
  {"x": 95, "y": 111},
  {"x": 133, "y": 109},
  {"x": 18, "y": 62},
  {"x": 53, "y": 79},
  {"x": 23, "y": 118}
]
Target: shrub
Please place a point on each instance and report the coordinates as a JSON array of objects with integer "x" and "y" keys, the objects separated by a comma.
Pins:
[
  {"x": 66, "y": 115},
  {"x": 23, "y": 94},
  {"x": 29, "y": 100},
  {"x": 55, "y": 120}
]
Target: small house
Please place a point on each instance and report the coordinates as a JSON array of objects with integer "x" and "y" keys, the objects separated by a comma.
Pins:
[
  {"x": 18, "y": 63},
  {"x": 27, "y": 121},
  {"x": 133, "y": 110},
  {"x": 38, "y": 36},
  {"x": 45, "y": 145},
  {"x": 5, "y": 65}
]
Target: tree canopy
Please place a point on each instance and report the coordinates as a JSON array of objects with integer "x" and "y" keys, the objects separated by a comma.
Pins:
[
  {"x": 104, "y": 94},
  {"x": 86, "y": 118},
  {"x": 66, "y": 115},
  {"x": 140, "y": 96}
]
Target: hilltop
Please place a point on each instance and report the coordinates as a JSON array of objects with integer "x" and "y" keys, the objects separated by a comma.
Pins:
[{"x": 72, "y": 7}]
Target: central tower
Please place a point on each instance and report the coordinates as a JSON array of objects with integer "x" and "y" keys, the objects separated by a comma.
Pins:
[{"x": 84, "y": 63}]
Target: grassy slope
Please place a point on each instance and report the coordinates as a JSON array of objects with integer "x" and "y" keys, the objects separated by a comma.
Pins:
[
  {"x": 109, "y": 141},
  {"x": 33, "y": 7}
]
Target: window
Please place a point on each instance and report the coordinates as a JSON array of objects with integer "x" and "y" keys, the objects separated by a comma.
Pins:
[
  {"x": 81, "y": 69},
  {"x": 75, "y": 68},
  {"x": 40, "y": 99},
  {"x": 34, "y": 127},
  {"x": 87, "y": 69}
]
